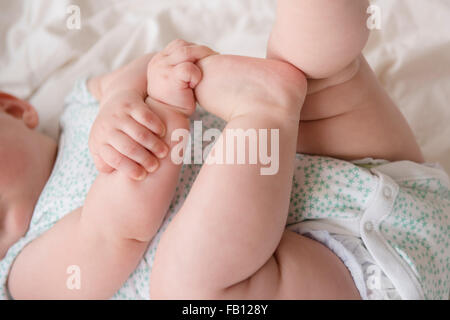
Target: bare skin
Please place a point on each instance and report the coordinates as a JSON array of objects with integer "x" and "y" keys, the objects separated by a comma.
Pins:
[
  {"x": 107, "y": 237},
  {"x": 356, "y": 119},
  {"x": 109, "y": 234},
  {"x": 257, "y": 259},
  {"x": 22, "y": 150},
  {"x": 346, "y": 114}
]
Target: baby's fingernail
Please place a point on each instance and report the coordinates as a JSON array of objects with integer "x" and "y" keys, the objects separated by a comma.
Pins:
[
  {"x": 142, "y": 176},
  {"x": 154, "y": 167},
  {"x": 163, "y": 132},
  {"x": 163, "y": 152}
]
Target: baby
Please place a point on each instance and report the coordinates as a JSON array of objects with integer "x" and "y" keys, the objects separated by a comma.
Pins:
[
  {"x": 356, "y": 229},
  {"x": 57, "y": 215}
]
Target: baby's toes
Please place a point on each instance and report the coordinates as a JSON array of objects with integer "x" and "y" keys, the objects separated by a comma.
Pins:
[{"x": 188, "y": 75}]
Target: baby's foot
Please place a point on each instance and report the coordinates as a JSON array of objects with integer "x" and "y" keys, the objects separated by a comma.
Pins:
[
  {"x": 235, "y": 85},
  {"x": 173, "y": 75}
]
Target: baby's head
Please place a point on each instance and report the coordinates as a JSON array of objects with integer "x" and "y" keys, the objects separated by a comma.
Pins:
[{"x": 26, "y": 160}]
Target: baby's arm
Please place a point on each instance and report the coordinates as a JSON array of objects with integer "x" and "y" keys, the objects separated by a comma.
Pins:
[
  {"x": 132, "y": 76},
  {"x": 105, "y": 239},
  {"x": 126, "y": 135},
  {"x": 108, "y": 236}
]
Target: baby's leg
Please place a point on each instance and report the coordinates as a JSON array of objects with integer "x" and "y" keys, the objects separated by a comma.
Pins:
[
  {"x": 355, "y": 120},
  {"x": 225, "y": 241},
  {"x": 320, "y": 37},
  {"x": 347, "y": 114}
]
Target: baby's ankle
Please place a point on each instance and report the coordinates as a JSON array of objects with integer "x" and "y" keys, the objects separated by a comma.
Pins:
[{"x": 234, "y": 86}]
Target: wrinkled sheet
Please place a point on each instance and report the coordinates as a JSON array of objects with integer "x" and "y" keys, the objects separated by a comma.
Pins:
[{"x": 40, "y": 58}]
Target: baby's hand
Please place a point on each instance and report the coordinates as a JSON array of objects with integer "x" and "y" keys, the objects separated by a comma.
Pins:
[
  {"x": 173, "y": 74},
  {"x": 126, "y": 136}
]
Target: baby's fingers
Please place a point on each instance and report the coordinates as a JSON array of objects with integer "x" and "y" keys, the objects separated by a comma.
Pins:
[
  {"x": 144, "y": 137},
  {"x": 121, "y": 163},
  {"x": 131, "y": 150},
  {"x": 146, "y": 117},
  {"x": 101, "y": 165}
]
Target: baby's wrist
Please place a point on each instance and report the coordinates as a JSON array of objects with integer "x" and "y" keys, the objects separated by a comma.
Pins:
[
  {"x": 115, "y": 93},
  {"x": 157, "y": 104},
  {"x": 109, "y": 87},
  {"x": 103, "y": 90}
]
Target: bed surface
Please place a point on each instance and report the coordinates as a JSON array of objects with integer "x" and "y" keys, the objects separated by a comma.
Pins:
[{"x": 40, "y": 58}]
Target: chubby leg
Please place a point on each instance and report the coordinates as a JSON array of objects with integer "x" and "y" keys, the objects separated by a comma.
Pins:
[
  {"x": 320, "y": 37},
  {"x": 225, "y": 241},
  {"x": 354, "y": 120},
  {"x": 347, "y": 113}
]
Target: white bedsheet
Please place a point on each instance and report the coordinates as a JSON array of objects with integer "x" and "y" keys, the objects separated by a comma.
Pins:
[{"x": 40, "y": 57}]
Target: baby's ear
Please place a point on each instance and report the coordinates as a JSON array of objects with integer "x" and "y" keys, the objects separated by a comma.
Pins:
[{"x": 19, "y": 109}]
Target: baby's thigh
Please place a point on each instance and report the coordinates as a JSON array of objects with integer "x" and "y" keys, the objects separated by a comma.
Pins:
[
  {"x": 301, "y": 268},
  {"x": 356, "y": 119}
]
